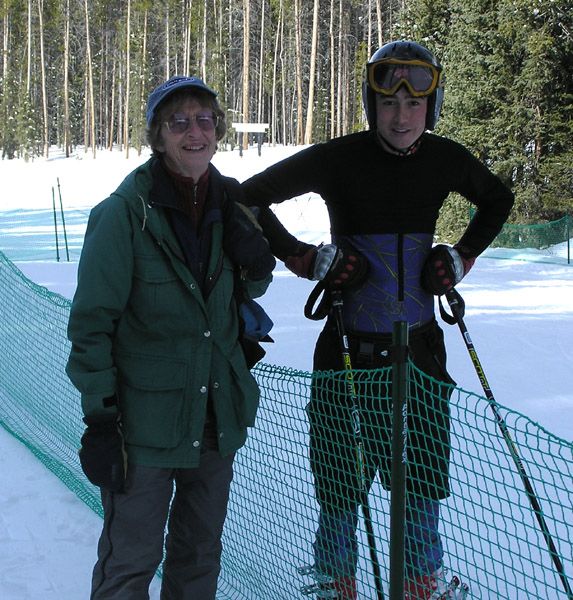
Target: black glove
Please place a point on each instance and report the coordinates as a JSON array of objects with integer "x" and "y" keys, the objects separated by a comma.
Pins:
[
  {"x": 336, "y": 266},
  {"x": 102, "y": 453},
  {"x": 339, "y": 266},
  {"x": 301, "y": 261},
  {"x": 244, "y": 243},
  {"x": 444, "y": 268}
]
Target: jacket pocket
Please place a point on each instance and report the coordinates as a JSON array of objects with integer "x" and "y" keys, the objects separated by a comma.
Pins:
[
  {"x": 156, "y": 293},
  {"x": 152, "y": 400}
]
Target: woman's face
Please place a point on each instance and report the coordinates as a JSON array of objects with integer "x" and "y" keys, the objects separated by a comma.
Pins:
[
  {"x": 188, "y": 139},
  {"x": 401, "y": 118}
]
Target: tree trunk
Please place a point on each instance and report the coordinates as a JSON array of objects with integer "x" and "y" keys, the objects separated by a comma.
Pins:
[
  {"x": 66, "y": 132},
  {"x": 90, "y": 112},
  {"x": 143, "y": 78},
  {"x": 167, "y": 44},
  {"x": 260, "y": 95},
  {"x": 46, "y": 128},
  {"x": 339, "y": 74},
  {"x": 332, "y": 56},
  {"x": 29, "y": 51},
  {"x": 5, "y": 37},
  {"x": 380, "y": 20},
  {"x": 285, "y": 139},
  {"x": 274, "y": 118},
  {"x": 246, "y": 59},
  {"x": 310, "y": 106},
  {"x": 111, "y": 123},
  {"x": 127, "y": 79},
  {"x": 298, "y": 58},
  {"x": 204, "y": 44}
]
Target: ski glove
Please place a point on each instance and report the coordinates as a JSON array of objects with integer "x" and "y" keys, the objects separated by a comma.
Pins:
[
  {"x": 444, "y": 268},
  {"x": 301, "y": 261},
  {"x": 244, "y": 243},
  {"x": 102, "y": 453},
  {"x": 336, "y": 266}
]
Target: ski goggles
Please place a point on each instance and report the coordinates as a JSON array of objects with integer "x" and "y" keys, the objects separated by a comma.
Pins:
[
  {"x": 387, "y": 75},
  {"x": 179, "y": 123}
]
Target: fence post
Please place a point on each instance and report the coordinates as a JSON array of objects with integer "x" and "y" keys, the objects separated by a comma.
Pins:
[{"x": 399, "y": 441}]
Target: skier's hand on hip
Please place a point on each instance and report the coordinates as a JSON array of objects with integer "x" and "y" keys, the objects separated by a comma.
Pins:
[
  {"x": 339, "y": 266},
  {"x": 301, "y": 261},
  {"x": 444, "y": 268},
  {"x": 335, "y": 265},
  {"x": 102, "y": 454}
]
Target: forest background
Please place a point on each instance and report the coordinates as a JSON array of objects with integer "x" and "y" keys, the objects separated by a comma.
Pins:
[{"x": 78, "y": 72}]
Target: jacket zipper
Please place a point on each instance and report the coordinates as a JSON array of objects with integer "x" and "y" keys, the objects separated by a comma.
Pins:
[{"x": 400, "y": 251}]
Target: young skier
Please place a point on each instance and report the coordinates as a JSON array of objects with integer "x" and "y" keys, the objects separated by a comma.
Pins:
[{"x": 383, "y": 189}]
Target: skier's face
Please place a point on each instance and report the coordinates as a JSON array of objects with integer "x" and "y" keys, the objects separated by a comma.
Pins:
[
  {"x": 401, "y": 118},
  {"x": 188, "y": 139}
]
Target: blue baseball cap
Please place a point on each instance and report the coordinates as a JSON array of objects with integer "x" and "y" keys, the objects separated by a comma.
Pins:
[{"x": 166, "y": 89}]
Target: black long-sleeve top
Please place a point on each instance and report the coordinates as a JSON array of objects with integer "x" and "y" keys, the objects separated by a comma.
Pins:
[{"x": 387, "y": 206}]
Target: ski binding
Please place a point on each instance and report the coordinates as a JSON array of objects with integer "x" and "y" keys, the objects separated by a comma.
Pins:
[
  {"x": 456, "y": 590},
  {"x": 318, "y": 591},
  {"x": 320, "y": 588}
]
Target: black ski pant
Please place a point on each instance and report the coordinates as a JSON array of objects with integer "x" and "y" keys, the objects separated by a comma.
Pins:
[
  {"x": 333, "y": 444},
  {"x": 132, "y": 540}
]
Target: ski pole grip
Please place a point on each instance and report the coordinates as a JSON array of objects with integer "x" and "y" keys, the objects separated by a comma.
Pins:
[{"x": 457, "y": 304}]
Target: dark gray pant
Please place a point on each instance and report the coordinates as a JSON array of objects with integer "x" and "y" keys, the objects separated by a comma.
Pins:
[{"x": 130, "y": 548}]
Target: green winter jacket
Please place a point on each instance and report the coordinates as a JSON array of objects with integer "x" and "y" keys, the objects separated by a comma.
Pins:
[{"x": 141, "y": 330}]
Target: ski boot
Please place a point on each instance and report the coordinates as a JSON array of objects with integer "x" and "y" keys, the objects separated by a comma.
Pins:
[
  {"x": 326, "y": 586},
  {"x": 435, "y": 587}
]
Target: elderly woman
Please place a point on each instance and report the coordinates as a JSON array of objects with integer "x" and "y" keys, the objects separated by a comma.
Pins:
[{"x": 166, "y": 391}]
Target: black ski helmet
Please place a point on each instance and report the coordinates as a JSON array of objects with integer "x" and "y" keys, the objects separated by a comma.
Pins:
[{"x": 403, "y": 50}]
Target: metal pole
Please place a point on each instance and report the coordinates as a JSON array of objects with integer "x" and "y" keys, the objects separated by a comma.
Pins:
[
  {"x": 399, "y": 458},
  {"x": 337, "y": 305},
  {"x": 55, "y": 225},
  {"x": 63, "y": 220},
  {"x": 454, "y": 300}
]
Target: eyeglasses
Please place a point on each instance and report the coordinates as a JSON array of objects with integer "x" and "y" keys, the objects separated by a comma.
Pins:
[
  {"x": 179, "y": 123},
  {"x": 388, "y": 74}
]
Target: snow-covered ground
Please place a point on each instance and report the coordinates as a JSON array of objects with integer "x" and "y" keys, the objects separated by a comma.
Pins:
[{"x": 519, "y": 312}]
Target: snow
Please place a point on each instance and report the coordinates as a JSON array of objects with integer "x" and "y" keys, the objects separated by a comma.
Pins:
[{"x": 519, "y": 312}]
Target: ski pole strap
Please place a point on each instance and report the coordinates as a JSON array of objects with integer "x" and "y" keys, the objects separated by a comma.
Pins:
[
  {"x": 324, "y": 304},
  {"x": 457, "y": 305}
]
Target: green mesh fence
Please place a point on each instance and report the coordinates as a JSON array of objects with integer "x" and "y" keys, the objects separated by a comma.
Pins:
[
  {"x": 490, "y": 533},
  {"x": 552, "y": 238}
]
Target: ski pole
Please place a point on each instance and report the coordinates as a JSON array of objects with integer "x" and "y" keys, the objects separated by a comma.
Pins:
[
  {"x": 337, "y": 305},
  {"x": 456, "y": 303},
  {"x": 63, "y": 220},
  {"x": 55, "y": 225}
]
